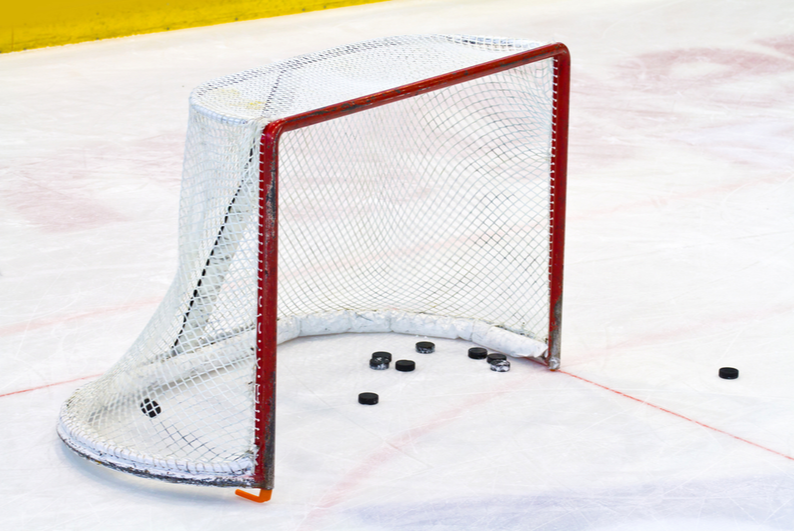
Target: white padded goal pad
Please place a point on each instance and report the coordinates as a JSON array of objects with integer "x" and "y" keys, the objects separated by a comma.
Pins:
[{"x": 426, "y": 216}]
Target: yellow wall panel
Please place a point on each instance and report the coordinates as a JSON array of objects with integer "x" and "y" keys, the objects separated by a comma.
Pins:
[{"x": 28, "y": 24}]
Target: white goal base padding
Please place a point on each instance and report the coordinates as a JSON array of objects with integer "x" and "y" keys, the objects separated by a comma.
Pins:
[{"x": 233, "y": 472}]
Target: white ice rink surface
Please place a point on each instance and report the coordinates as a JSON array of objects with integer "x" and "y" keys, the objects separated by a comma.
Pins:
[{"x": 679, "y": 261}]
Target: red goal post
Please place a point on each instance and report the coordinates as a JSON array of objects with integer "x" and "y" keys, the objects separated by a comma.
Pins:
[{"x": 269, "y": 212}]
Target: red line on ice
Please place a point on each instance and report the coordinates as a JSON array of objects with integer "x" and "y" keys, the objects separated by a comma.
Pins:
[
  {"x": 17, "y": 328},
  {"x": 352, "y": 479},
  {"x": 675, "y": 414},
  {"x": 394, "y": 446},
  {"x": 42, "y": 323},
  {"x": 48, "y": 385}
]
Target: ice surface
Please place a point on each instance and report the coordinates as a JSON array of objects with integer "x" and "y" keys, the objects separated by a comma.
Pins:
[{"x": 679, "y": 261}]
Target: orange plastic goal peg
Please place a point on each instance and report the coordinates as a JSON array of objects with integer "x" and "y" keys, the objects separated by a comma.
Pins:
[{"x": 264, "y": 495}]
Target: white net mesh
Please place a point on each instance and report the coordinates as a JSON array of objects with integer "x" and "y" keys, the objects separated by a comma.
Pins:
[{"x": 429, "y": 215}]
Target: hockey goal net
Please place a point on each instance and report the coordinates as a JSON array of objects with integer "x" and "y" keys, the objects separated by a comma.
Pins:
[{"x": 409, "y": 184}]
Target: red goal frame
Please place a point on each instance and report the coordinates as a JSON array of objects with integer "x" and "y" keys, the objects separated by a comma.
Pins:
[{"x": 265, "y": 400}]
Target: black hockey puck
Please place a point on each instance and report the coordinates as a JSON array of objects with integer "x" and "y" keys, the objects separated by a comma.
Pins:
[
  {"x": 368, "y": 399},
  {"x": 150, "y": 407},
  {"x": 404, "y": 365},
  {"x": 379, "y": 364},
  {"x": 500, "y": 366},
  {"x": 380, "y": 354},
  {"x": 478, "y": 353},
  {"x": 425, "y": 347},
  {"x": 495, "y": 357},
  {"x": 728, "y": 373}
]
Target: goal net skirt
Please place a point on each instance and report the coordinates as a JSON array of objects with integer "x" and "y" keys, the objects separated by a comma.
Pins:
[{"x": 411, "y": 184}]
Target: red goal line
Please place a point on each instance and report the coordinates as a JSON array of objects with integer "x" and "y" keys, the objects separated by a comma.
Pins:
[{"x": 675, "y": 414}]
